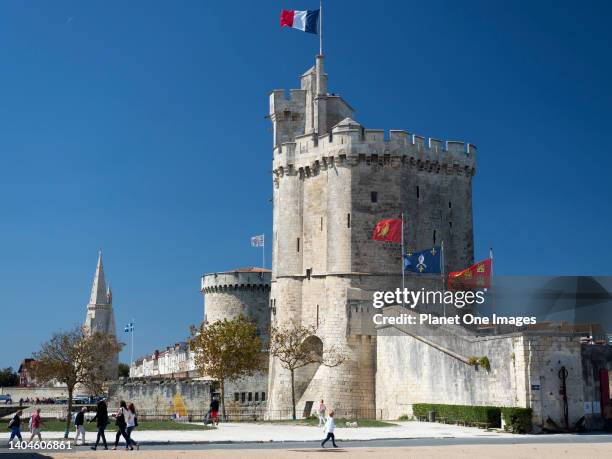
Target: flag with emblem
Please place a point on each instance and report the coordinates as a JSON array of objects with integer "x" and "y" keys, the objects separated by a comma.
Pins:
[
  {"x": 129, "y": 328},
  {"x": 389, "y": 230},
  {"x": 257, "y": 241},
  {"x": 424, "y": 262},
  {"x": 476, "y": 276}
]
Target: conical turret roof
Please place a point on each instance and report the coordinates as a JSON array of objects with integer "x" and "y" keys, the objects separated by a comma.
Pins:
[{"x": 98, "y": 289}]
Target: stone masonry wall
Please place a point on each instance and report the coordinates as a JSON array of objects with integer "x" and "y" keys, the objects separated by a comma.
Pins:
[{"x": 419, "y": 367}]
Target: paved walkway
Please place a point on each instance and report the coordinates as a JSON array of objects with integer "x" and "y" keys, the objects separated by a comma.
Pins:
[
  {"x": 268, "y": 432},
  {"x": 539, "y": 451}
]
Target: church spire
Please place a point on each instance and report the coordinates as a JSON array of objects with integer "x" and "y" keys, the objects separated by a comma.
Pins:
[{"x": 98, "y": 289}]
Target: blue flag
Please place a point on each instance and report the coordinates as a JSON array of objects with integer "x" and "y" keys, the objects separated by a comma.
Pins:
[
  {"x": 425, "y": 262},
  {"x": 129, "y": 328}
]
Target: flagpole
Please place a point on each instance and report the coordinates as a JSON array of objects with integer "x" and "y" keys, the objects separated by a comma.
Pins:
[
  {"x": 320, "y": 27},
  {"x": 443, "y": 278},
  {"x": 132, "y": 346},
  {"x": 402, "y": 259},
  {"x": 491, "y": 286}
]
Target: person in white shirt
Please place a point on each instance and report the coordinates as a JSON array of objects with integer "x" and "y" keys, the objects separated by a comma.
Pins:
[
  {"x": 330, "y": 426},
  {"x": 131, "y": 422}
]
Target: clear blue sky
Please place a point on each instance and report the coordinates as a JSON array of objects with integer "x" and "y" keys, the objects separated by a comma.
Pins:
[{"x": 139, "y": 127}]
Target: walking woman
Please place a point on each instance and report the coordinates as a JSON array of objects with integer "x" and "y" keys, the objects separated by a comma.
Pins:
[
  {"x": 101, "y": 419},
  {"x": 132, "y": 423},
  {"x": 121, "y": 423}
]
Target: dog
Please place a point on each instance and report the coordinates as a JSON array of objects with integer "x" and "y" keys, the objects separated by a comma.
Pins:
[{"x": 351, "y": 424}]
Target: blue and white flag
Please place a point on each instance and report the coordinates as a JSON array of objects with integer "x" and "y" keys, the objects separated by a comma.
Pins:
[
  {"x": 424, "y": 262},
  {"x": 129, "y": 328}
]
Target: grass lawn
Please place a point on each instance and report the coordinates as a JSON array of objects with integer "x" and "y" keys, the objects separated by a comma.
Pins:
[
  {"x": 340, "y": 422},
  {"x": 54, "y": 425}
]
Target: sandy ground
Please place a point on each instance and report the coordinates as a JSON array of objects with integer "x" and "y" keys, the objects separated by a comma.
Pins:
[{"x": 539, "y": 451}]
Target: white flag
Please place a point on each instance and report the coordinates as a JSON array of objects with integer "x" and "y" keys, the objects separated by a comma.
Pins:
[{"x": 257, "y": 241}]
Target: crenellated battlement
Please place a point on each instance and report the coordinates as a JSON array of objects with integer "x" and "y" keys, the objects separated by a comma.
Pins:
[
  {"x": 351, "y": 144},
  {"x": 251, "y": 278},
  {"x": 279, "y": 102}
]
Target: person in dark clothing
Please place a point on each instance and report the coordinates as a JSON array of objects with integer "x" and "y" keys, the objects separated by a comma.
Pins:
[
  {"x": 15, "y": 426},
  {"x": 101, "y": 419},
  {"x": 79, "y": 424},
  {"x": 214, "y": 410},
  {"x": 607, "y": 415},
  {"x": 121, "y": 423}
]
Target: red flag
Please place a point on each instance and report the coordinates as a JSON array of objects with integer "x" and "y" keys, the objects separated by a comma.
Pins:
[
  {"x": 476, "y": 276},
  {"x": 388, "y": 230}
]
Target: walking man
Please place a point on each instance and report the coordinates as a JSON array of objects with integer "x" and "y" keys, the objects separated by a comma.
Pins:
[
  {"x": 15, "y": 426},
  {"x": 321, "y": 413},
  {"x": 330, "y": 426},
  {"x": 79, "y": 423}
]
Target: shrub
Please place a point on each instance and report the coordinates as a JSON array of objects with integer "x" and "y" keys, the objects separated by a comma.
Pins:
[
  {"x": 484, "y": 362},
  {"x": 403, "y": 417},
  {"x": 518, "y": 420},
  {"x": 472, "y": 360},
  {"x": 490, "y": 415}
]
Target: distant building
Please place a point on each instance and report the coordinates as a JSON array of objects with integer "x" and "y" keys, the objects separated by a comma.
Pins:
[
  {"x": 174, "y": 361},
  {"x": 26, "y": 374}
]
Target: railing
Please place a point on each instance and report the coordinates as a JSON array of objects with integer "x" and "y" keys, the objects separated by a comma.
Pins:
[{"x": 251, "y": 414}]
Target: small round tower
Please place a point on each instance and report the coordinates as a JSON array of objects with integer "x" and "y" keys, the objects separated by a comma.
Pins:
[{"x": 244, "y": 291}]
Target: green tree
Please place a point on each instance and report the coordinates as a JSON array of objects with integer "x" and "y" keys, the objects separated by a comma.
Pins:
[
  {"x": 226, "y": 350},
  {"x": 123, "y": 370},
  {"x": 75, "y": 358},
  {"x": 8, "y": 377},
  {"x": 293, "y": 349}
]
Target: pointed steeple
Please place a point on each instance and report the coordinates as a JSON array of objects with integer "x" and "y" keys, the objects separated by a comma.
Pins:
[
  {"x": 98, "y": 289},
  {"x": 109, "y": 294}
]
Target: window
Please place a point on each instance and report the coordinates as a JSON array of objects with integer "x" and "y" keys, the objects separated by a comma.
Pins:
[
  {"x": 298, "y": 244},
  {"x": 317, "y": 315},
  {"x": 450, "y": 224},
  {"x": 418, "y": 193},
  {"x": 236, "y": 396},
  {"x": 243, "y": 397},
  {"x": 250, "y": 396},
  {"x": 348, "y": 220},
  {"x": 450, "y": 204},
  {"x": 308, "y": 272},
  {"x": 321, "y": 223},
  {"x": 256, "y": 396},
  {"x": 374, "y": 196},
  {"x": 263, "y": 396},
  {"x": 434, "y": 237}
]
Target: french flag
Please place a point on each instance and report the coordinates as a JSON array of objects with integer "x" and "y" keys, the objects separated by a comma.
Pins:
[{"x": 306, "y": 21}]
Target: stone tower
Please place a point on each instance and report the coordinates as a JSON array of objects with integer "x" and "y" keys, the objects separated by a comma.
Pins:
[
  {"x": 100, "y": 316},
  {"x": 333, "y": 180},
  {"x": 244, "y": 291}
]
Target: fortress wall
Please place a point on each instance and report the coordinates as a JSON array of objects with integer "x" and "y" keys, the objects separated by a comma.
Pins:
[
  {"x": 412, "y": 371},
  {"x": 162, "y": 396}
]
